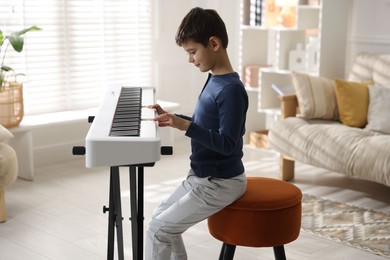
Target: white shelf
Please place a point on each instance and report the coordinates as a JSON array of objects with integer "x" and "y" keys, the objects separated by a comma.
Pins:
[
  {"x": 271, "y": 111},
  {"x": 271, "y": 46},
  {"x": 287, "y": 40},
  {"x": 308, "y": 17},
  {"x": 252, "y": 89},
  {"x": 268, "y": 98}
]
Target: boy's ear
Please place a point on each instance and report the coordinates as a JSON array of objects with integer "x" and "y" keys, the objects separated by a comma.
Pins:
[{"x": 215, "y": 42}]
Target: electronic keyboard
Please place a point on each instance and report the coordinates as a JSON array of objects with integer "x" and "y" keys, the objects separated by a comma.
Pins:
[{"x": 123, "y": 132}]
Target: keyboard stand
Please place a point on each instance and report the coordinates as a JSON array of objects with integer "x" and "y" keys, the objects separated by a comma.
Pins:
[{"x": 136, "y": 174}]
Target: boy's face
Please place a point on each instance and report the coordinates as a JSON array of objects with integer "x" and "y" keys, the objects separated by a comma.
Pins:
[{"x": 202, "y": 57}]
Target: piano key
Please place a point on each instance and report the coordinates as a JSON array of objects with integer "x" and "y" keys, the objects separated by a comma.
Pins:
[
  {"x": 147, "y": 113},
  {"x": 124, "y": 117},
  {"x": 126, "y": 133},
  {"x": 124, "y": 128},
  {"x": 129, "y": 126},
  {"x": 125, "y": 123}
]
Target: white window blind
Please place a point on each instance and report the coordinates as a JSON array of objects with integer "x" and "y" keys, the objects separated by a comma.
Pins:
[{"x": 84, "y": 47}]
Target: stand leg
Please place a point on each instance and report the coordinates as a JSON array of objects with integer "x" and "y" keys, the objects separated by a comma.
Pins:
[
  {"x": 140, "y": 219},
  {"x": 134, "y": 211},
  {"x": 118, "y": 213},
  {"x": 111, "y": 220},
  {"x": 114, "y": 216},
  {"x": 279, "y": 253},
  {"x": 227, "y": 252},
  {"x": 137, "y": 209}
]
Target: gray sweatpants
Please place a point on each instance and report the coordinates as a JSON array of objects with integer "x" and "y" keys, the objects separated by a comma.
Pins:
[{"x": 193, "y": 201}]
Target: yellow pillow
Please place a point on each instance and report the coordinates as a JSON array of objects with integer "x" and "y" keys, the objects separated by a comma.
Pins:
[{"x": 352, "y": 101}]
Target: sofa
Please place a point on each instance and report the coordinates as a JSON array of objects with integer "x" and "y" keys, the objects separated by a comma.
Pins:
[
  {"x": 8, "y": 169},
  {"x": 342, "y": 125}
]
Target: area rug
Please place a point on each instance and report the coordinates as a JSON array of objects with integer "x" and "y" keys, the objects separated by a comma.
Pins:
[{"x": 358, "y": 227}]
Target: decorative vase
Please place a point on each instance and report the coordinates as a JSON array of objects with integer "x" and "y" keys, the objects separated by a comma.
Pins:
[
  {"x": 312, "y": 55},
  {"x": 297, "y": 59}
]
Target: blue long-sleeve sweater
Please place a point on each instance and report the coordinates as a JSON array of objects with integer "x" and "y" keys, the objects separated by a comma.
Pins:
[{"x": 217, "y": 127}]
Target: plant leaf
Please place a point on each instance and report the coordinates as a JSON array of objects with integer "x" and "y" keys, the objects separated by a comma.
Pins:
[
  {"x": 1, "y": 38},
  {"x": 16, "y": 39},
  {"x": 29, "y": 29},
  {"x": 6, "y": 68}
]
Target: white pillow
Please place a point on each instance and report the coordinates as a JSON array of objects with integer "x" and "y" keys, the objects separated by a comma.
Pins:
[
  {"x": 378, "y": 116},
  {"x": 381, "y": 71},
  {"x": 316, "y": 96},
  {"x": 4, "y": 134}
]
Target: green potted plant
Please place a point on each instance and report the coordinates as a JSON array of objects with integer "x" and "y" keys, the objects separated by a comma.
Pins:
[
  {"x": 11, "y": 92},
  {"x": 16, "y": 40}
]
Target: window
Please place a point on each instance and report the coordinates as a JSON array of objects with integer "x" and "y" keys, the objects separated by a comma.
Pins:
[{"x": 83, "y": 48}]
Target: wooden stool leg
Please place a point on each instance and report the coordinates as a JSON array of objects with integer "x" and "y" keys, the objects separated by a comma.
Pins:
[
  {"x": 279, "y": 253},
  {"x": 3, "y": 214},
  {"x": 227, "y": 252}
]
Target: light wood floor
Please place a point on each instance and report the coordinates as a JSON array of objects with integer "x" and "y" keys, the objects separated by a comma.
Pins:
[{"x": 59, "y": 215}]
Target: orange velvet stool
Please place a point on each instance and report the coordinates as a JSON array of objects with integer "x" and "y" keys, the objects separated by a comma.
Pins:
[{"x": 267, "y": 215}]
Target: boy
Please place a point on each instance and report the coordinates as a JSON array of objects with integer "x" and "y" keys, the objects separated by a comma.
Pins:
[{"x": 216, "y": 177}]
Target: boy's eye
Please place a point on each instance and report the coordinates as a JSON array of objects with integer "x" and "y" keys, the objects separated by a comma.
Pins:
[{"x": 191, "y": 52}]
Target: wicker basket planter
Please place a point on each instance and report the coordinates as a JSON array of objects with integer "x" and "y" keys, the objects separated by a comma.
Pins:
[{"x": 11, "y": 105}]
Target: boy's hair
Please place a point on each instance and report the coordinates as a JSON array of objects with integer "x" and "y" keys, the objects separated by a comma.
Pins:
[{"x": 199, "y": 25}]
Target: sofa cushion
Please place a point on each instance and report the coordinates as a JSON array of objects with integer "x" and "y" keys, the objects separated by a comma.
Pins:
[
  {"x": 4, "y": 133},
  {"x": 316, "y": 96},
  {"x": 362, "y": 68},
  {"x": 8, "y": 165},
  {"x": 334, "y": 146},
  {"x": 371, "y": 161},
  {"x": 379, "y": 109},
  {"x": 381, "y": 71},
  {"x": 352, "y": 102}
]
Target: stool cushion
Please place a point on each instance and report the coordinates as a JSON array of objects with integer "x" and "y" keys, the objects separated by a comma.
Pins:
[
  {"x": 267, "y": 194},
  {"x": 268, "y": 214},
  {"x": 8, "y": 165}
]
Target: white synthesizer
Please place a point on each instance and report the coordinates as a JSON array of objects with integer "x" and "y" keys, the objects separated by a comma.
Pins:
[{"x": 122, "y": 132}]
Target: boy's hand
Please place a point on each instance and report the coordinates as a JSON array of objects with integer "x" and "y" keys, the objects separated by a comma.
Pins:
[
  {"x": 167, "y": 119},
  {"x": 158, "y": 109}
]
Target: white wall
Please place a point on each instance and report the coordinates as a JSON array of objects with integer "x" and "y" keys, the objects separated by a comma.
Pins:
[
  {"x": 369, "y": 28},
  {"x": 179, "y": 81}
]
